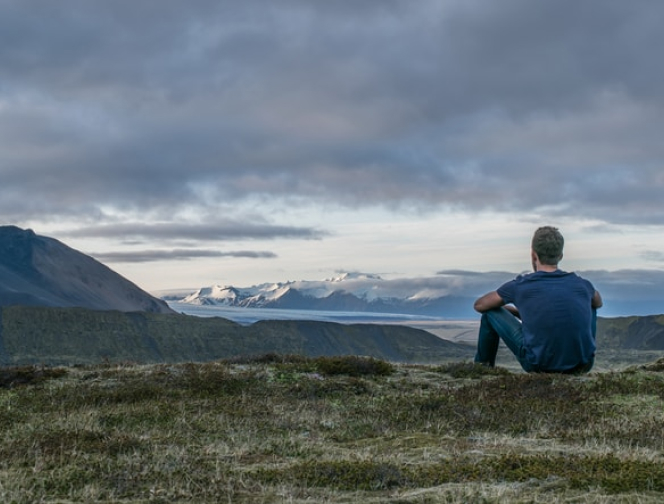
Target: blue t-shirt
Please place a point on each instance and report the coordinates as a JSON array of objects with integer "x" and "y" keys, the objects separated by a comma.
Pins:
[{"x": 556, "y": 315}]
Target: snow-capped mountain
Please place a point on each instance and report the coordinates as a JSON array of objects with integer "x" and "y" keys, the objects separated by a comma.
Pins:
[
  {"x": 218, "y": 295},
  {"x": 450, "y": 293},
  {"x": 359, "y": 292}
]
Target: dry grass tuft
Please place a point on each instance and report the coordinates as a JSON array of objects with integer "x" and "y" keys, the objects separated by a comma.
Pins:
[{"x": 657, "y": 366}]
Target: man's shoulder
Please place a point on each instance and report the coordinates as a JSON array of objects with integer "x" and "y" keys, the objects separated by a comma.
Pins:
[
  {"x": 539, "y": 276},
  {"x": 573, "y": 276},
  {"x": 568, "y": 279},
  {"x": 528, "y": 277},
  {"x": 559, "y": 277}
]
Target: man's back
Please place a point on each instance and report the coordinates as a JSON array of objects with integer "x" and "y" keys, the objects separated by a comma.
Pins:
[{"x": 557, "y": 317}]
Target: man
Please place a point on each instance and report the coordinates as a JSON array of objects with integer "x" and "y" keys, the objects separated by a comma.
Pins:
[{"x": 546, "y": 318}]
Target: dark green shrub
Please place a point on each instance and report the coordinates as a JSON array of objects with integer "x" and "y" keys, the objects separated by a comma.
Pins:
[
  {"x": 268, "y": 358},
  {"x": 353, "y": 366},
  {"x": 470, "y": 370},
  {"x": 28, "y": 375}
]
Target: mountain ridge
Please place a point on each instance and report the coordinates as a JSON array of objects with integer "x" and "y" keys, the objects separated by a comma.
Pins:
[
  {"x": 41, "y": 271},
  {"x": 348, "y": 292}
]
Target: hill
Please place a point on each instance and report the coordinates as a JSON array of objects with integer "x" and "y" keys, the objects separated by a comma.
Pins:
[
  {"x": 56, "y": 336},
  {"x": 40, "y": 271},
  {"x": 330, "y": 429},
  {"x": 632, "y": 333}
]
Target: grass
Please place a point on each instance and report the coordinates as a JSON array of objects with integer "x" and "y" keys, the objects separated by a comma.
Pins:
[{"x": 291, "y": 429}]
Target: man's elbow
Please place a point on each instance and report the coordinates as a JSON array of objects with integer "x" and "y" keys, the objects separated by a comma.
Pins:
[
  {"x": 478, "y": 306},
  {"x": 488, "y": 302}
]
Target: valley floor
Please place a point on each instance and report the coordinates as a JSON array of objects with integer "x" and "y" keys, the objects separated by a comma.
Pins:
[{"x": 457, "y": 331}]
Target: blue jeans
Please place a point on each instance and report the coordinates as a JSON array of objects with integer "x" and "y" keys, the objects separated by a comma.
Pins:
[{"x": 501, "y": 324}]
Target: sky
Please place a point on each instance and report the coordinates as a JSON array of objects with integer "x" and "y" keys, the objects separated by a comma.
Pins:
[{"x": 237, "y": 142}]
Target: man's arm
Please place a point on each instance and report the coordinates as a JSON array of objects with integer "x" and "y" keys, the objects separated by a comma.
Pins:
[
  {"x": 488, "y": 302},
  {"x": 597, "y": 300}
]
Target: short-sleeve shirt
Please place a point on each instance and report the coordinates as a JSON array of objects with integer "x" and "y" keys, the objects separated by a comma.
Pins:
[{"x": 556, "y": 313}]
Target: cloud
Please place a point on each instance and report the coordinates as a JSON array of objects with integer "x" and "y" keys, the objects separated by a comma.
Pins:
[
  {"x": 653, "y": 255},
  {"x": 457, "y": 283},
  {"x": 625, "y": 292},
  {"x": 629, "y": 284},
  {"x": 621, "y": 284},
  {"x": 142, "y": 256},
  {"x": 220, "y": 231},
  {"x": 480, "y": 105}
]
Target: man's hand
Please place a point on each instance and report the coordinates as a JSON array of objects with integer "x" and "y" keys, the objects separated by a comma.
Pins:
[
  {"x": 596, "y": 301},
  {"x": 488, "y": 302},
  {"x": 513, "y": 310}
]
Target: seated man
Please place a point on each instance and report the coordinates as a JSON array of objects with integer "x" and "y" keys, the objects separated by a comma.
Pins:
[{"x": 546, "y": 318}]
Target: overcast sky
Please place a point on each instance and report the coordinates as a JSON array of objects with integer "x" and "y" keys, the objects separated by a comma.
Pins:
[{"x": 247, "y": 141}]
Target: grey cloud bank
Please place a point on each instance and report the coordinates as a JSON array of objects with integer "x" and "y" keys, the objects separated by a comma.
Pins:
[
  {"x": 507, "y": 105},
  {"x": 175, "y": 254},
  {"x": 219, "y": 231},
  {"x": 179, "y": 124}
]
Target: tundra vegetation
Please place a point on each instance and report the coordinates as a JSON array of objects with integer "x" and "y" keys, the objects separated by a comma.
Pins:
[{"x": 294, "y": 429}]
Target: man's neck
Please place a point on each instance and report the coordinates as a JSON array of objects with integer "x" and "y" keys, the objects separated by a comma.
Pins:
[{"x": 547, "y": 268}]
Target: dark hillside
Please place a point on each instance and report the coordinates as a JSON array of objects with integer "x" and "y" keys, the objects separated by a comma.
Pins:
[
  {"x": 40, "y": 271},
  {"x": 63, "y": 336},
  {"x": 392, "y": 343},
  {"x": 645, "y": 332},
  {"x": 634, "y": 333},
  {"x": 4, "y": 358}
]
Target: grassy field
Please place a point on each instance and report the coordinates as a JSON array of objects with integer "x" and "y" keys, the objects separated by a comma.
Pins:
[{"x": 329, "y": 430}]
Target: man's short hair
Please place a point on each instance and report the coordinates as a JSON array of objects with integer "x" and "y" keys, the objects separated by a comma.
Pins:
[{"x": 548, "y": 245}]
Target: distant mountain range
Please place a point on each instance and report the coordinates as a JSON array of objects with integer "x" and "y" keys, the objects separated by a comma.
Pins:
[
  {"x": 40, "y": 271},
  {"x": 448, "y": 294},
  {"x": 356, "y": 292}
]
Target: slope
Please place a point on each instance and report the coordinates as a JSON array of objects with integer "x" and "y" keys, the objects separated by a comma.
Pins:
[
  {"x": 41, "y": 271},
  {"x": 62, "y": 336}
]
